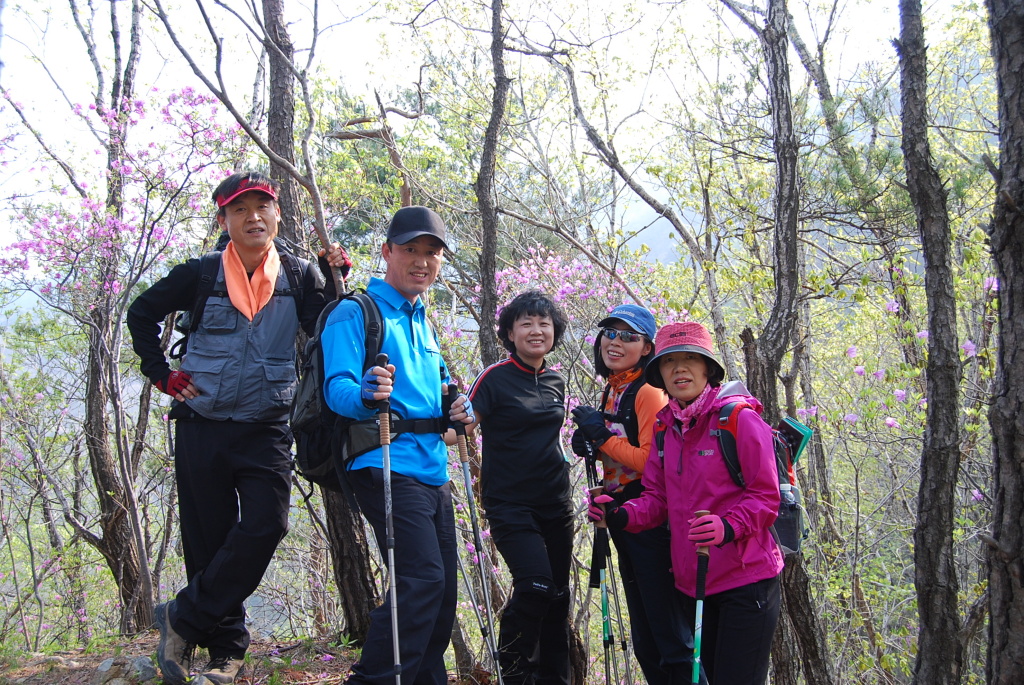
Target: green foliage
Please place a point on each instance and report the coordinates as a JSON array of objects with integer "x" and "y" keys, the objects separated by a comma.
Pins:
[{"x": 679, "y": 93}]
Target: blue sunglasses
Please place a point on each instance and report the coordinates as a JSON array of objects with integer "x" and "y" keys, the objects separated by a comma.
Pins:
[{"x": 624, "y": 336}]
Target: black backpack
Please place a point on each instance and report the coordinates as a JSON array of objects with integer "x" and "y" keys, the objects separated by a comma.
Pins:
[
  {"x": 318, "y": 431},
  {"x": 209, "y": 266}
]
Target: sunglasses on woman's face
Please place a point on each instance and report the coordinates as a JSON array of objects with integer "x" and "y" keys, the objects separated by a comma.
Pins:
[{"x": 624, "y": 336}]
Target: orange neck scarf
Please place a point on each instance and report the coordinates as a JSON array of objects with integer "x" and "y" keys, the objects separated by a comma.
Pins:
[
  {"x": 250, "y": 295},
  {"x": 618, "y": 383}
]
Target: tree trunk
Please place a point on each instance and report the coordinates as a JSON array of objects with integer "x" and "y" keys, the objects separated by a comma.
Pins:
[
  {"x": 466, "y": 664},
  {"x": 347, "y": 539},
  {"x": 1006, "y": 544},
  {"x": 490, "y": 350},
  {"x": 805, "y": 617},
  {"x": 112, "y": 472},
  {"x": 281, "y": 114},
  {"x": 778, "y": 330},
  {"x": 939, "y": 657},
  {"x": 764, "y": 355},
  {"x": 349, "y": 559},
  {"x": 117, "y": 543}
]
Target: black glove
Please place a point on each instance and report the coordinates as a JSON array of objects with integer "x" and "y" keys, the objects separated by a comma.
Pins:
[
  {"x": 591, "y": 422},
  {"x": 580, "y": 445},
  {"x": 616, "y": 518}
]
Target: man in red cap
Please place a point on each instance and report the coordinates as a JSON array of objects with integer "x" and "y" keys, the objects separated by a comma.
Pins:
[{"x": 232, "y": 453}]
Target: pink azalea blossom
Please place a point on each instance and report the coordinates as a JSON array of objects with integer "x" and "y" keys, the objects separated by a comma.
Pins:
[
  {"x": 892, "y": 306},
  {"x": 969, "y": 348},
  {"x": 891, "y": 422},
  {"x": 851, "y": 351},
  {"x": 859, "y": 370},
  {"x": 922, "y": 335},
  {"x": 851, "y": 418},
  {"x": 900, "y": 395},
  {"x": 879, "y": 375},
  {"x": 977, "y": 495}
]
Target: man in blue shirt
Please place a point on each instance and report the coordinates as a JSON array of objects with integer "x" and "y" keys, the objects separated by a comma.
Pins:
[{"x": 414, "y": 381}]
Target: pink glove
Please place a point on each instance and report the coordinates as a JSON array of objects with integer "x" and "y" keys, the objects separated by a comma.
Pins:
[
  {"x": 175, "y": 382},
  {"x": 596, "y": 511},
  {"x": 707, "y": 530}
]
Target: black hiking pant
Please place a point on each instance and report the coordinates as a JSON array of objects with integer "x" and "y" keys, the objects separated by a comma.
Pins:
[
  {"x": 234, "y": 481},
  {"x": 426, "y": 569},
  {"x": 662, "y": 639},
  {"x": 536, "y": 544},
  {"x": 739, "y": 625}
]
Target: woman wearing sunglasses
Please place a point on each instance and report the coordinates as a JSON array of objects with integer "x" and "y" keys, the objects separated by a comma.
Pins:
[{"x": 620, "y": 437}]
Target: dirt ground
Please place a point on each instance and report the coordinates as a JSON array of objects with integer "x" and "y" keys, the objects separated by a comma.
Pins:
[{"x": 271, "y": 663}]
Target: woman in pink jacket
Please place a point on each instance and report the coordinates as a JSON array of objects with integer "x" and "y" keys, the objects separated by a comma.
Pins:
[{"x": 688, "y": 474}]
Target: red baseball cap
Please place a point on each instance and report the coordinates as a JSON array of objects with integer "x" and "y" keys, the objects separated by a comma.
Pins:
[{"x": 246, "y": 186}]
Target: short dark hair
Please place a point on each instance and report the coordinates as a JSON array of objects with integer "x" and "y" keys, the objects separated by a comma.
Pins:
[
  {"x": 530, "y": 303},
  {"x": 716, "y": 374},
  {"x": 599, "y": 365},
  {"x": 229, "y": 186}
]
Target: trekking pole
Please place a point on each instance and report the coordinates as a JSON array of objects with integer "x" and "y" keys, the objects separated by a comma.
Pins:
[
  {"x": 698, "y": 620},
  {"x": 384, "y": 419},
  {"x": 598, "y": 578},
  {"x": 623, "y": 638},
  {"x": 471, "y": 593},
  {"x": 488, "y": 631}
]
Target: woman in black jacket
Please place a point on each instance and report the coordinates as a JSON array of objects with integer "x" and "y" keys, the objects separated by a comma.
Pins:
[{"x": 520, "y": 405}]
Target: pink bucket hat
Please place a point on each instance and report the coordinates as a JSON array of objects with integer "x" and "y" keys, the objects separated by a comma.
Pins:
[{"x": 686, "y": 336}]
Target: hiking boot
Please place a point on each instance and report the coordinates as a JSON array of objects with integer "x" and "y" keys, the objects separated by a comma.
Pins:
[
  {"x": 174, "y": 654},
  {"x": 220, "y": 671}
]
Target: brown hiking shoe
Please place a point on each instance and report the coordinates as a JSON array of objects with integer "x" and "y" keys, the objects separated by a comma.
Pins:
[
  {"x": 221, "y": 671},
  {"x": 174, "y": 653}
]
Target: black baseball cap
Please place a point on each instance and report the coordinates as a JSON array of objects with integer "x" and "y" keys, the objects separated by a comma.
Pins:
[{"x": 410, "y": 223}]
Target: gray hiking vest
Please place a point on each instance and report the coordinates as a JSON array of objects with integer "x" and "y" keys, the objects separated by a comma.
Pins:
[{"x": 245, "y": 371}]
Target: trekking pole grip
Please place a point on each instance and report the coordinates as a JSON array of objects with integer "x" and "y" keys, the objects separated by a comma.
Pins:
[
  {"x": 702, "y": 549},
  {"x": 460, "y": 428},
  {"x": 384, "y": 406}
]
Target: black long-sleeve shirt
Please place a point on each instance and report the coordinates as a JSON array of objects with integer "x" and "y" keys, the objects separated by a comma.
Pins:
[{"x": 522, "y": 411}]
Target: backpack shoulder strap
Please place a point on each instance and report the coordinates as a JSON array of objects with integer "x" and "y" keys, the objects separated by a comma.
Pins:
[
  {"x": 209, "y": 266},
  {"x": 726, "y": 431},
  {"x": 294, "y": 273},
  {"x": 659, "y": 439},
  {"x": 625, "y": 413},
  {"x": 373, "y": 325}
]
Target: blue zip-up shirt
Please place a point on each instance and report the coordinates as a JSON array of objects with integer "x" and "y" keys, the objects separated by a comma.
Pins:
[{"x": 419, "y": 371}]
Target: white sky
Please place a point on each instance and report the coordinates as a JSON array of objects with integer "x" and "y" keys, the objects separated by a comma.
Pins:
[{"x": 38, "y": 33}]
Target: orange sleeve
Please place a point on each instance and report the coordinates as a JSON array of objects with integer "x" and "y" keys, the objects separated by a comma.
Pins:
[{"x": 649, "y": 401}]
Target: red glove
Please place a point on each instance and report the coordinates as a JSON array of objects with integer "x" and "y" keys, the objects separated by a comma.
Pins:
[
  {"x": 174, "y": 383},
  {"x": 708, "y": 530},
  {"x": 596, "y": 512},
  {"x": 346, "y": 264}
]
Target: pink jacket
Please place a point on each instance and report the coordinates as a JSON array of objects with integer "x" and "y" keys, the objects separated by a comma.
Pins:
[{"x": 692, "y": 476}]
